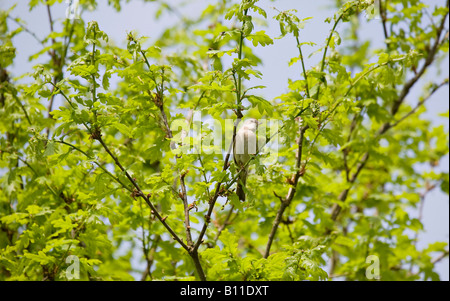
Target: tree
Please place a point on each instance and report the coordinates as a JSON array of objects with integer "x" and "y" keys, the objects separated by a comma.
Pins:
[{"x": 118, "y": 169}]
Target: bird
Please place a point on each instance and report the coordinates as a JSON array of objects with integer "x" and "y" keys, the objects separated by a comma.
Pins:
[{"x": 245, "y": 145}]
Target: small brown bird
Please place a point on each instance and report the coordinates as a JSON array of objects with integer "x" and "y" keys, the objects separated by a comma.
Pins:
[{"x": 246, "y": 145}]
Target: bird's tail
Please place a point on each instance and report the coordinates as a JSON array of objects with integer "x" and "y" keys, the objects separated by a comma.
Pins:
[{"x": 241, "y": 183}]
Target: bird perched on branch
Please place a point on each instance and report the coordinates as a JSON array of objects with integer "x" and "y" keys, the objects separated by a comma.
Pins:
[{"x": 245, "y": 145}]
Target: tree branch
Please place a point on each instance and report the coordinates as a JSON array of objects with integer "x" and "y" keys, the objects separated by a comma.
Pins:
[
  {"x": 383, "y": 21},
  {"x": 428, "y": 61},
  {"x": 322, "y": 66},
  {"x": 25, "y": 29},
  {"x": 218, "y": 190},
  {"x": 420, "y": 103},
  {"x": 224, "y": 224},
  {"x": 291, "y": 193},
  {"x": 336, "y": 209},
  {"x": 142, "y": 195},
  {"x": 95, "y": 162},
  {"x": 440, "y": 257},
  {"x": 303, "y": 66},
  {"x": 190, "y": 247},
  {"x": 150, "y": 257}
]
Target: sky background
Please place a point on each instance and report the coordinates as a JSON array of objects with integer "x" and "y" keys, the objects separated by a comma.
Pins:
[{"x": 138, "y": 16}]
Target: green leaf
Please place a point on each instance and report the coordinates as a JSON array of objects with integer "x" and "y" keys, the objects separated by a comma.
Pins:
[
  {"x": 122, "y": 128},
  {"x": 51, "y": 148},
  {"x": 383, "y": 58},
  {"x": 260, "y": 38},
  {"x": 262, "y": 104},
  {"x": 247, "y": 26},
  {"x": 40, "y": 258}
]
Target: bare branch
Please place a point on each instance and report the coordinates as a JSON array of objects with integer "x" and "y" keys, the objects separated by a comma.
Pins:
[
  {"x": 440, "y": 257},
  {"x": 420, "y": 103},
  {"x": 25, "y": 28}
]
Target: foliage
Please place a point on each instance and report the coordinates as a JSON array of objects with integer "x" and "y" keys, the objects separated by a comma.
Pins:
[{"x": 107, "y": 173}]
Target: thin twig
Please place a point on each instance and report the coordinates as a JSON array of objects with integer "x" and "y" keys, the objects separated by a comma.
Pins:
[
  {"x": 190, "y": 248},
  {"x": 23, "y": 26},
  {"x": 440, "y": 257},
  {"x": 145, "y": 197},
  {"x": 96, "y": 163},
  {"x": 336, "y": 209},
  {"x": 218, "y": 190},
  {"x": 291, "y": 193},
  {"x": 428, "y": 61},
  {"x": 420, "y": 103},
  {"x": 303, "y": 66},
  {"x": 204, "y": 175},
  {"x": 150, "y": 258},
  {"x": 224, "y": 224},
  {"x": 322, "y": 66},
  {"x": 383, "y": 20}
]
